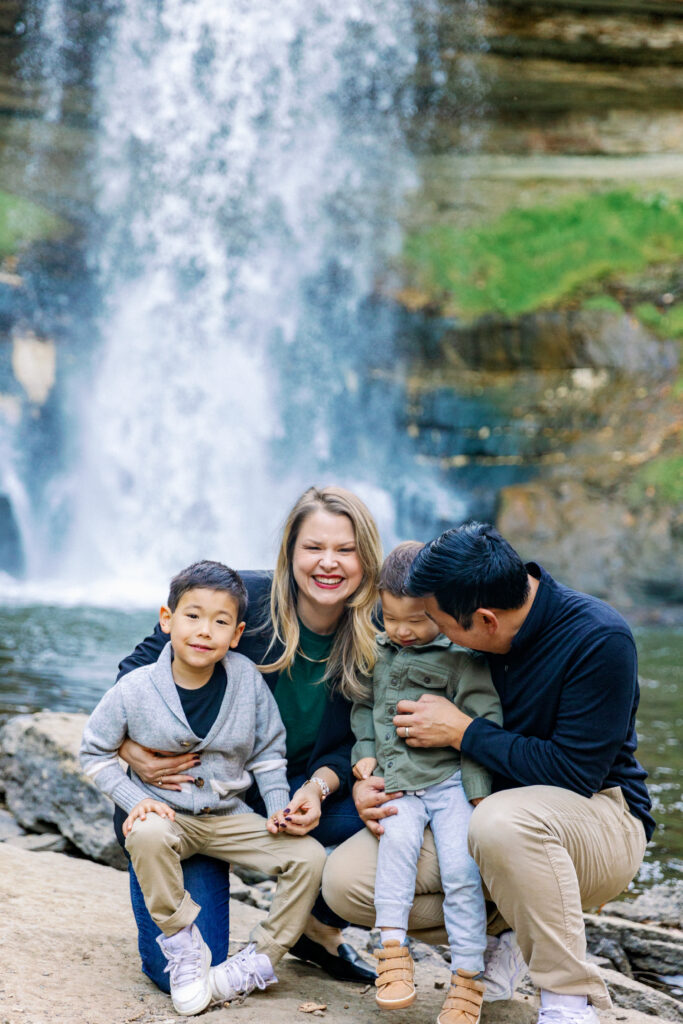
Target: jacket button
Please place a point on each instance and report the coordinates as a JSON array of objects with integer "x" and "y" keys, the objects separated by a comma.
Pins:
[
  {"x": 387, "y": 735},
  {"x": 199, "y": 782},
  {"x": 186, "y": 743},
  {"x": 428, "y": 679},
  {"x": 390, "y": 764},
  {"x": 205, "y": 810}
]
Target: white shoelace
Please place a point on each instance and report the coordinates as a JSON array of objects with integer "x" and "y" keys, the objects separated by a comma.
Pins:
[
  {"x": 184, "y": 965},
  {"x": 242, "y": 971}
]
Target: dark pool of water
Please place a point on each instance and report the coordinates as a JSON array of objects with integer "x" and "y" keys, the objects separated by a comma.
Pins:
[{"x": 63, "y": 659}]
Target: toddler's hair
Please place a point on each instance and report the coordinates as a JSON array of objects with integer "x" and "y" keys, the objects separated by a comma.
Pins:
[
  {"x": 207, "y": 575},
  {"x": 394, "y": 572}
]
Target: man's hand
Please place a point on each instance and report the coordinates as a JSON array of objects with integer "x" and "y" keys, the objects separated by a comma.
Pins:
[
  {"x": 369, "y": 796},
  {"x": 364, "y": 768},
  {"x": 431, "y": 722},
  {"x": 144, "y": 808}
]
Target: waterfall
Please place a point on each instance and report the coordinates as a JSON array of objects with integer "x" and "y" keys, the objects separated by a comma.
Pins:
[{"x": 247, "y": 165}]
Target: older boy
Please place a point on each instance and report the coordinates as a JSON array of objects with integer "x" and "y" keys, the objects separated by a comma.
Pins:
[{"x": 181, "y": 704}]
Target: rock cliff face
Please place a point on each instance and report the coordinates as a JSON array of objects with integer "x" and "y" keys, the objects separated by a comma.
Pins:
[
  {"x": 561, "y": 423},
  {"x": 557, "y": 76}
]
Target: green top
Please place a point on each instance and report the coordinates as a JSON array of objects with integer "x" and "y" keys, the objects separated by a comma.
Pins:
[
  {"x": 301, "y": 695},
  {"x": 405, "y": 673}
]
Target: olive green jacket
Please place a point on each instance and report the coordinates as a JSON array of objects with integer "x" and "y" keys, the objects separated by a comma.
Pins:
[{"x": 405, "y": 673}]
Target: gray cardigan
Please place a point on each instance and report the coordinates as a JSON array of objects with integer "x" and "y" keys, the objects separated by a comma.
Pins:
[{"x": 247, "y": 737}]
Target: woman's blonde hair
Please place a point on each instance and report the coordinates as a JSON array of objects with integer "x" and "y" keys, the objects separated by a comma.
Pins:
[{"x": 353, "y": 651}]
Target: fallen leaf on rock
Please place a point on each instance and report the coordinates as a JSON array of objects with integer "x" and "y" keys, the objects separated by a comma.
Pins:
[
  {"x": 312, "y": 1007},
  {"x": 365, "y": 989}
]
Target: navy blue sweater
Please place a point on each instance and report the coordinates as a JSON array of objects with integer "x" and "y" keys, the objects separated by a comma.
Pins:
[
  {"x": 332, "y": 748},
  {"x": 569, "y": 690}
]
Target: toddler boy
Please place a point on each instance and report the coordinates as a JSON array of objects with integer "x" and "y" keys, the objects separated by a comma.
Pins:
[
  {"x": 439, "y": 785},
  {"x": 204, "y": 698}
]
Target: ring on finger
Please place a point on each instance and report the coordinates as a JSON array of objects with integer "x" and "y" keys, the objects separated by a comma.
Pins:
[{"x": 407, "y": 732}]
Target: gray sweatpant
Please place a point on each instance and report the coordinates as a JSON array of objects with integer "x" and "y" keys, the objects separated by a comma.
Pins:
[{"x": 446, "y": 808}]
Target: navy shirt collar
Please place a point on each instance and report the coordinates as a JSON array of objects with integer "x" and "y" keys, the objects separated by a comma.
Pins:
[{"x": 540, "y": 612}]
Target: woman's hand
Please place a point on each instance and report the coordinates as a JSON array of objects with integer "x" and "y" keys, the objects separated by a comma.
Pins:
[
  {"x": 276, "y": 822},
  {"x": 302, "y": 814},
  {"x": 144, "y": 808},
  {"x": 430, "y": 722},
  {"x": 158, "y": 767},
  {"x": 369, "y": 796}
]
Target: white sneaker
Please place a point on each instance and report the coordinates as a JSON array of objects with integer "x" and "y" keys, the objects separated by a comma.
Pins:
[
  {"x": 563, "y": 1015},
  {"x": 189, "y": 960},
  {"x": 241, "y": 974},
  {"x": 503, "y": 966}
]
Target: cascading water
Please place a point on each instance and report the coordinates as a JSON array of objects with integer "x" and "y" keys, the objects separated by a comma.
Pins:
[{"x": 248, "y": 163}]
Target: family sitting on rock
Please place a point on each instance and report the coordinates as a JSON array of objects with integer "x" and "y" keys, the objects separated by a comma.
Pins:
[{"x": 490, "y": 729}]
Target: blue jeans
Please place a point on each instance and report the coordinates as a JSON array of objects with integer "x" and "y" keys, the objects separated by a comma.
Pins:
[
  {"x": 207, "y": 882},
  {"x": 447, "y": 810}
]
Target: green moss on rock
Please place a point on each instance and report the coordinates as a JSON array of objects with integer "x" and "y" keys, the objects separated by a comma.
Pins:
[
  {"x": 536, "y": 257},
  {"x": 23, "y": 222}
]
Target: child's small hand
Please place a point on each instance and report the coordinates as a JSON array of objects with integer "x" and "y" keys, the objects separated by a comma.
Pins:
[
  {"x": 476, "y": 801},
  {"x": 276, "y": 822},
  {"x": 144, "y": 808},
  {"x": 364, "y": 768}
]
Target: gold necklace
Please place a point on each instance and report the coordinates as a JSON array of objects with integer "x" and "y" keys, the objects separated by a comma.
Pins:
[{"x": 314, "y": 661}]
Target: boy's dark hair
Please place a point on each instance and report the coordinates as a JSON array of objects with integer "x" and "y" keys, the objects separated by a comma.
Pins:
[
  {"x": 396, "y": 566},
  {"x": 209, "y": 576},
  {"x": 467, "y": 568}
]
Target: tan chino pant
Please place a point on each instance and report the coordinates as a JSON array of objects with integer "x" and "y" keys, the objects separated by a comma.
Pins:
[
  {"x": 544, "y": 853},
  {"x": 157, "y": 846}
]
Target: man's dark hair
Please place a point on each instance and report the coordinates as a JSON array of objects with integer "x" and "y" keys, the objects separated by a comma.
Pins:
[
  {"x": 396, "y": 566},
  {"x": 209, "y": 576},
  {"x": 467, "y": 568}
]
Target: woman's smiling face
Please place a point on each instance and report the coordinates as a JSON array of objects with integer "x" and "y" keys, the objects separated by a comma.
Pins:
[{"x": 325, "y": 560}]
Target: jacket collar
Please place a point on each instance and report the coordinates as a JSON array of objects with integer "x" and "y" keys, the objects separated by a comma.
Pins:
[{"x": 161, "y": 676}]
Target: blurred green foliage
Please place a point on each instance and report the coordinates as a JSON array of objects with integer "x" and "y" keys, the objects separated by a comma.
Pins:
[
  {"x": 23, "y": 222},
  {"x": 667, "y": 324},
  {"x": 663, "y": 475},
  {"x": 533, "y": 258}
]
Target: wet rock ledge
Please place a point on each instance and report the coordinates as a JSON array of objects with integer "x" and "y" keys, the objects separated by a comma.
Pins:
[{"x": 52, "y": 807}]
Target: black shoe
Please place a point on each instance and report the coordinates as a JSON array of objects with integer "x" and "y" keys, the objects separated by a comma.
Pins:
[{"x": 347, "y": 965}]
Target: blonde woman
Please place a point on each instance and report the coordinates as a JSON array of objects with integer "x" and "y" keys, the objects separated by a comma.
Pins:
[{"x": 310, "y": 630}]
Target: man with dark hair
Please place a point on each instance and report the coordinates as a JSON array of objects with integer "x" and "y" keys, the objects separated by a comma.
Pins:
[{"x": 568, "y": 821}]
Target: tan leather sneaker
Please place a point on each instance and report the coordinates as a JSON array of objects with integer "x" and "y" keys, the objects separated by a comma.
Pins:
[
  {"x": 395, "y": 985},
  {"x": 464, "y": 1000}
]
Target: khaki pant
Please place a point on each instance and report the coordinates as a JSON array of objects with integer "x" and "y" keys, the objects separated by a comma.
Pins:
[
  {"x": 157, "y": 846},
  {"x": 544, "y": 854}
]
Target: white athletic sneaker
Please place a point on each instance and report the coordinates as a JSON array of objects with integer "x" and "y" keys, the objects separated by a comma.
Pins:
[
  {"x": 241, "y": 974},
  {"x": 503, "y": 966},
  {"x": 563, "y": 1015},
  {"x": 189, "y": 960}
]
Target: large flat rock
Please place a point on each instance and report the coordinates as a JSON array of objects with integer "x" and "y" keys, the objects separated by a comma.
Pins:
[{"x": 69, "y": 957}]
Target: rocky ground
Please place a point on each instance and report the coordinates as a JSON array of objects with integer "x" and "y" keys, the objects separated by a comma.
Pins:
[
  {"x": 69, "y": 957},
  {"x": 68, "y": 946}
]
